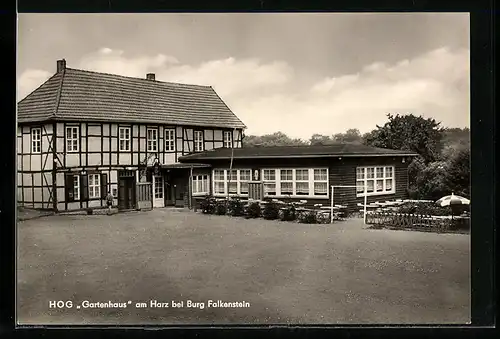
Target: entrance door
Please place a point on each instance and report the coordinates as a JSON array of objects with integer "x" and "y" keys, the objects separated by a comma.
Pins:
[
  {"x": 159, "y": 192},
  {"x": 126, "y": 193}
]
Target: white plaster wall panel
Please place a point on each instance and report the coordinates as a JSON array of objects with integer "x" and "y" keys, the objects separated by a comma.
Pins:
[
  {"x": 36, "y": 160},
  {"x": 94, "y": 203},
  {"x": 142, "y": 130},
  {"x": 114, "y": 130},
  {"x": 114, "y": 145},
  {"x": 26, "y": 163},
  {"x": 114, "y": 159},
  {"x": 60, "y": 129},
  {"x": 94, "y": 144},
  {"x": 105, "y": 130},
  {"x": 26, "y": 143},
  {"x": 125, "y": 159},
  {"x": 37, "y": 179},
  {"x": 218, "y": 134},
  {"x": 169, "y": 158},
  {"x": 209, "y": 134},
  {"x": 60, "y": 145},
  {"x": 60, "y": 206},
  {"x": 135, "y": 145},
  {"x": 94, "y": 159},
  {"x": 60, "y": 194},
  {"x": 72, "y": 160},
  {"x": 218, "y": 144},
  {"x": 105, "y": 145},
  {"x": 28, "y": 194},
  {"x": 135, "y": 131},
  {"x": 74, "y": 205},
  {"x": 60, "y": 179},
  {"x": 94, "y": 130}
]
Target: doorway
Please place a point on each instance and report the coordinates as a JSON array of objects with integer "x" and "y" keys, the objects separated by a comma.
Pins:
[
  {"x": 159, "y": 191},
  {"x": 126, "y": 190}
]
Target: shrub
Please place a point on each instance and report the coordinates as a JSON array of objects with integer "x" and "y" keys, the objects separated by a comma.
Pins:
[
  {"x": 221, "y": 207},
  {"x": 424, "y": 209},
  {"x": 236, "y": 207},
  {"x": 308, "y": 218},
  {"x": 253, "y": 210},
  {"x": 289, "y": 213},
  {"x": 271, "y": 211},
  {"x": 207, "y": 205}
]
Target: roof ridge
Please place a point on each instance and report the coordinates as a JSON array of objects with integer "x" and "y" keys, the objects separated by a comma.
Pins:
[{"x": 136, "y": 78}]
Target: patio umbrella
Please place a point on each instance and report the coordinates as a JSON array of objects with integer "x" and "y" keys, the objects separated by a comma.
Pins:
[{"x": 452, "y": 200}]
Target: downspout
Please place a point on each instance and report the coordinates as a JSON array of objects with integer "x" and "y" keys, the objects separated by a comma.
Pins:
[{"x": 230, "y": 166}]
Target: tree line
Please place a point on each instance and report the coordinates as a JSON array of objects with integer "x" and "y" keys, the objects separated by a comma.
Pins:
[{"x": 443, "y": 164}]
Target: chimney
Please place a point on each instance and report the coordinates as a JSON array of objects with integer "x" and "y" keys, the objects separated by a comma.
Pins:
[
  {"x": 150, "y": 76},
  {"x": 61, "y": 65}
]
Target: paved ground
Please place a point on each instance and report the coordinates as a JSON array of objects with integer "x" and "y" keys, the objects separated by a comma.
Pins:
[{"x": 289, "y": 273}]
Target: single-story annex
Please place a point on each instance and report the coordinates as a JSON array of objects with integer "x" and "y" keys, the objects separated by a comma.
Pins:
[{"x": 82, "y": 134}]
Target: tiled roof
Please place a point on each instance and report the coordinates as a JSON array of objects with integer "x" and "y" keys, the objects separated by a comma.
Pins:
[
  {"x": 344, "y": 150},
  {"x": 74, "y": 94}
]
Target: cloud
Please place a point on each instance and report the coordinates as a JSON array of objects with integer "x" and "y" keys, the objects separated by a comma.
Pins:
[
  {"x": 116, "y": 61},
  {"x": 30, "y": 80},
  {"x": 435, "y": 84},
  {"x": 269, "y": 96}
]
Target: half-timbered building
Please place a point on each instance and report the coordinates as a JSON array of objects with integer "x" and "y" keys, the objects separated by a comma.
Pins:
[{"x": 82, "y": 134}]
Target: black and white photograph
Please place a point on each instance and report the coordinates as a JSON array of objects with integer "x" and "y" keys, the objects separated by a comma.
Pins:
[{"x": 243, "y": 169}]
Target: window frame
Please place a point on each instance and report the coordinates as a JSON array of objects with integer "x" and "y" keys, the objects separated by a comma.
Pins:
[
  {"x": 229, "y": 140},
  {"x": 364, "y": 177},
  {"x": 94, "y": 185},
  {"x": 310, "y": 182},
  {"x": 170, "y": 141},
  {"x": 200, "y": 143},
  {"x": 154, "y": 141},
  {"x": 225, "y": 181},
  {"x": 36, "y": 143},
  {"x": 76, "y": 187},
  {"x": 124, "y": 139},
  {"x": 200, "y": 181},
  {"x": 70, "y": 137}
]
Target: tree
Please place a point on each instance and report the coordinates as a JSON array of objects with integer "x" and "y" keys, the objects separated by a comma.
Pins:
[
  {"x": 458, "y": 173},
  {"x": 274, "y": 139},
  {"x": 409, "y": 133},
  {"x": 319, "y": 139},
  {"x": 352, "y": 135}
]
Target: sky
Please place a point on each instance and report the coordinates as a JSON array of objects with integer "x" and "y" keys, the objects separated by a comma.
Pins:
[{"x": 298, "y": 73}]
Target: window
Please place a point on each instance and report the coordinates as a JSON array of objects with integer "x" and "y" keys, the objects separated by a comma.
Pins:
[
  {"x": 76, "y": 187},
  {"x": 152, "y": 137},
  {"x": 36, "y": 140},
  {"x": 245, "y": 175},
  {"x": 233, "y": 183},
  {"x": 124, "y": 136},
  {"x": 320, "y": 181},
  {"x": 286, "y": 180},
  {"x": 378, "y": 180},
  {"x": 200, "y": 184},
  {"x": 269, "y": 179},
  {"x": 228, "y": 140},
  {"x": 198, "y": 141},
  {"x": 72, "y": 139},
  {"x": 94, "y": 186},
  {"x": 219, "y": 182},
  {"x": 302, "y": 182},
  {"x": 169, "y": 140},
  {"x": 298, "y": 182}
]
